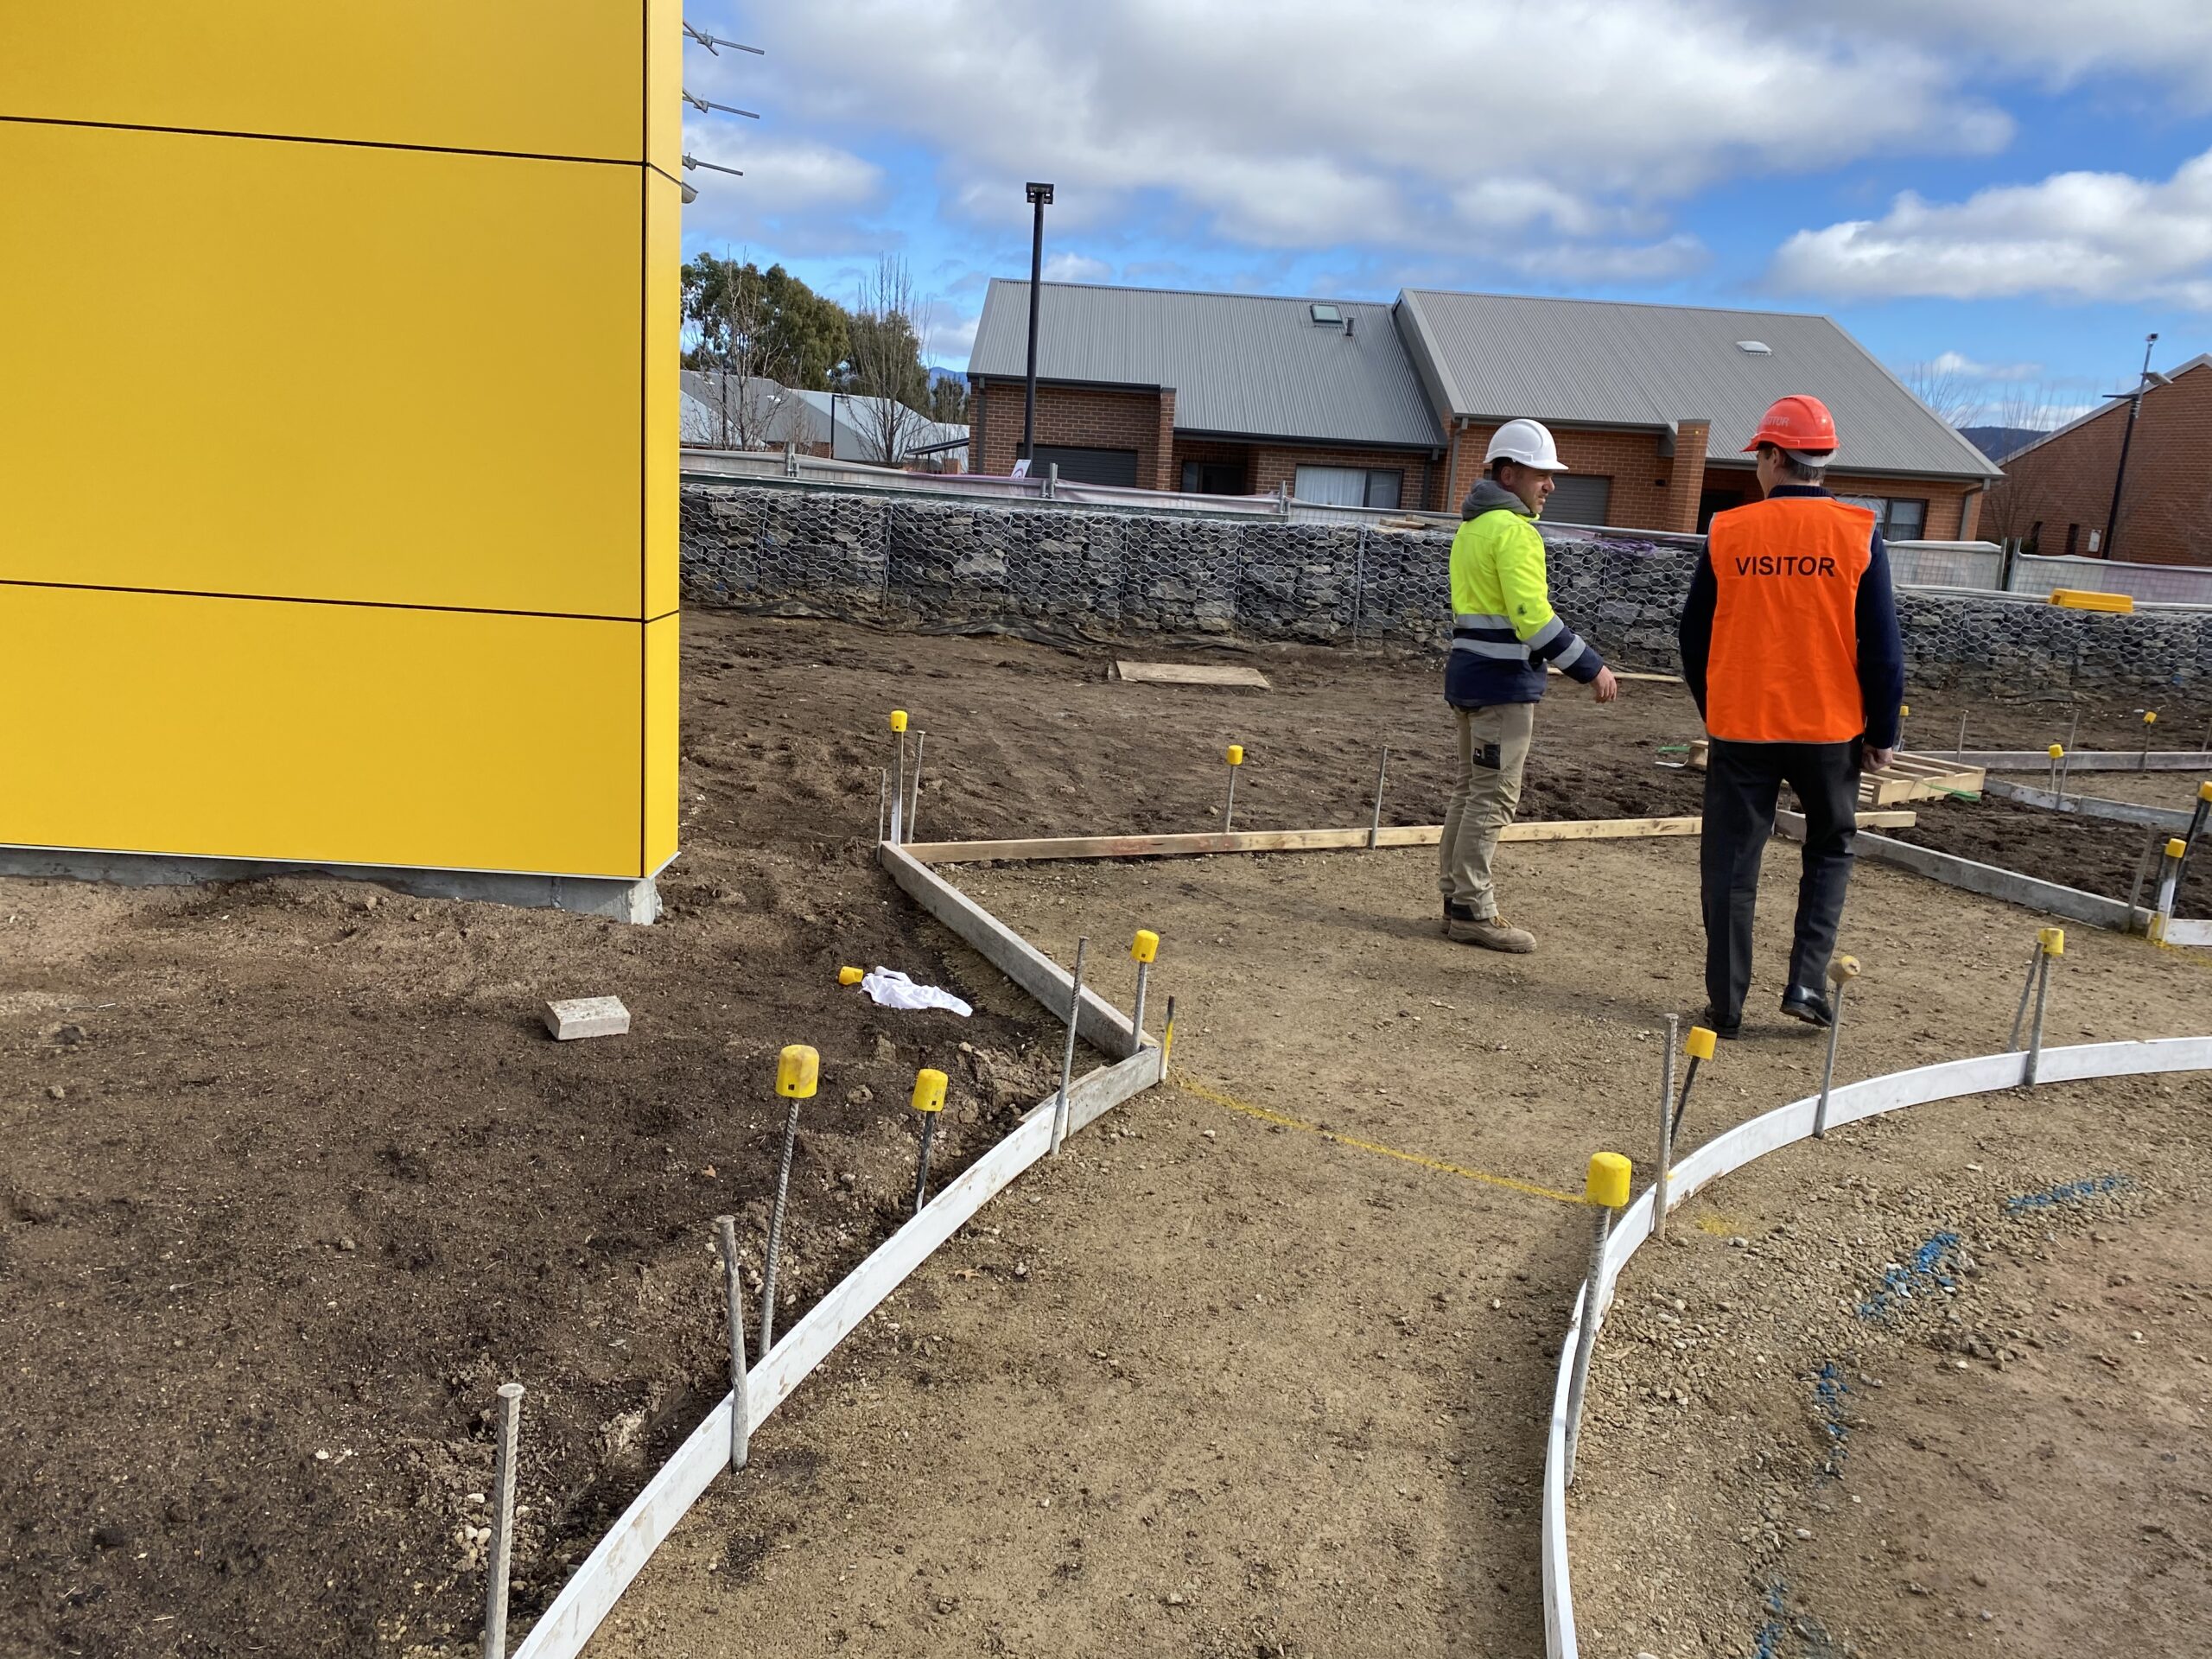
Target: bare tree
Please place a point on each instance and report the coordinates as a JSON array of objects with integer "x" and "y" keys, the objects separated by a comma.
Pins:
[
  {"x": 890, "y": 337},
  {"x": 1955, "y": 398},
  {"x": 2026, "y": 502}
]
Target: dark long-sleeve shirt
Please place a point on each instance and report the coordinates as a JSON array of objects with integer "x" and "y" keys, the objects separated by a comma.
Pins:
[{"x": 1881, "y": 646}]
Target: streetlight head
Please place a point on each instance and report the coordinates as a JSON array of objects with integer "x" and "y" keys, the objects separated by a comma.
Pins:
[
  {"x": 1041, "y": 194},
  {"x": 2157, "y": 379},
  {"x": 2149, "y": 339}
]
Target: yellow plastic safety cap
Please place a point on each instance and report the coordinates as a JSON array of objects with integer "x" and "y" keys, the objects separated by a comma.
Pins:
[
  {"x": 897, "y": 720},
  {"x": 1607, "y": 1183},
  {"x": 850, "y": 975},
  {"x": 2057, "y": 751},
  {"x": 928, "y": 1090},
  {"x": 1147, "y": 948},
  {"x": 2205, "y": 791},
  {"x": 798, "y": 1069},
  {"x": 2052, "y": 939},
  {"x": 2176, "y": 847},
  {"x": 1903, "y": 708},
  {"x": 1236, "y": 754},
  {"x": 1842, "y": 968},
  {"x": 1699, "y": 1046},
  {"x": 2150, "y": 717}
]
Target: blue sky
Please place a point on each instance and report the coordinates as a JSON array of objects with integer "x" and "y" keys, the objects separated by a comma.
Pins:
[{"x": 1999, "y": 200}]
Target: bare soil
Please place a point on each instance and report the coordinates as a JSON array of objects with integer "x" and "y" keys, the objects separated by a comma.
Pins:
[
  {"x": 294, "y": 1171},
  {"x": 2093, "y": 855}
]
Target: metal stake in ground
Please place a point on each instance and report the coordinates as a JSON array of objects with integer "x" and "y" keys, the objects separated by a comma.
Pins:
[
  {"x": 1905, "y": 711},
  {"x": 2169, "y": 885},
  {"x": 2050, "y": 944},
  {"x": 2150, "y": 719},
  {"x": 799, "y": 1071},
  {"x": 509, "y": 1430},
  {"x": 1229, "y": 811},
  {"x": 929, "y": 1100},
  {"x": 914, "y": 807},
  {"x": 1605, "y": 1186},
  {"x": 1375, "y": 824},
  {"x": 2057, "y": 751},
  {"x": 741, "y": 1408},
  {"x": 1168, "y": 1039},
  {"x": 2196, "y": 834},
  {"x": 882, "y": 804},
  {"x": 1143, "y": 952},
  {"x": 1962, "y": 749},
  {"x": 899, "y": 785},
  {"x": 1067, "y": 1056},
  {"x": 1666, "y": 1131},
  {"x": 1841, "y": 971},
  {"x": 1699, "y": 1046}
]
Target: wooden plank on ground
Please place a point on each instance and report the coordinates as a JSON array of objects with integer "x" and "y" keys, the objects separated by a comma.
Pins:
[{"x": 1189, "y": 674}]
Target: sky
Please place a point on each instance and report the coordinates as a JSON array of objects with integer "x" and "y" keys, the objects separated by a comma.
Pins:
[{"x": 1999, "y": 200}]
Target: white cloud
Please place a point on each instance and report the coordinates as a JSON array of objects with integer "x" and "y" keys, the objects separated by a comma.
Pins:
[
  {"x": 1076, "y": 268},
  {"x": 2087, "y": 236},
  {"x": 1960, "y": 364},
  {"x": 1575, "y": 262},
  {"x": 951, "y": 339},
  {"x": 2064, "y": 42},
  {"x": 797, "y": 195},
  {"x": 1456, "y": 127}
]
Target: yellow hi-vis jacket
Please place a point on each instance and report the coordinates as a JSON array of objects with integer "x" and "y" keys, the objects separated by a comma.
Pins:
[{"x": 1504, "y": 629}]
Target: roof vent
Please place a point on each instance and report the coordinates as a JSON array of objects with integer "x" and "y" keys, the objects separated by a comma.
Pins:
[
  {"x": 1325, "y": 314},
  {"x": 1755, "y": 347}
]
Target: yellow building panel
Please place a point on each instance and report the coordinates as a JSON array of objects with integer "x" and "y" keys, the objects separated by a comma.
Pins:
[
  {"x": 342, "y": 372},
  {"x": 662, "y": 743},
  {"x": 663, "y": 440},
  {"x": 538, "y": 77},
  {"x": 338, "y": 733},
  {"x": 664, "y": 105}
]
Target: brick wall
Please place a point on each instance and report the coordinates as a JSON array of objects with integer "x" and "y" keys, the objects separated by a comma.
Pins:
[
  {"x": 1278, "y": 464},
  {"x": 1078, "y": 417},
  {"x": 2165, "y": 515},
  {"x": 1644, "y": 493}
]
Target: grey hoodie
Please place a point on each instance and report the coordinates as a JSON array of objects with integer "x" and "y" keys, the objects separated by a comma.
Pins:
[{"x": 1487, "y": 495}]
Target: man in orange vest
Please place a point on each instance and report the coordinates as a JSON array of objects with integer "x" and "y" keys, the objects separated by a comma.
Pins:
[{"x": 1791, "y": 646}]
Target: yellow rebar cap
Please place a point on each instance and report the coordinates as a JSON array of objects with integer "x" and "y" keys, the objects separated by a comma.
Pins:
[
  {"x": 1607, "y": 1183},
  {"x": 1842, "y": 968},
  {"x": 897, "y": 720},
  {"x": 2057, "y": 751},
  {"x": 2176, "y": 847},
  {"x": 928, "y": 1090},
  {"x": 2052, "y": 939},
  {"x": 1698, "y": 1044},
  {"x": 1903, "y": 708},
  {"x": 850, "y": 975},
  {"x": 2150, "y": 717},
  {"x": 1236, "y": 754},
  {"x": 1147, "y": 948},
  {"x": 798, "y": 1069},
  {"x": 2205, "y": 791}
]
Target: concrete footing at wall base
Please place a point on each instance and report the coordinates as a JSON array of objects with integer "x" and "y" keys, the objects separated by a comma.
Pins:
[{"x": 622, "y": 900}]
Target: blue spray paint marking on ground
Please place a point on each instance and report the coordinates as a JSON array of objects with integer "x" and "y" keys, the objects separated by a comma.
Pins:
[
  {"x": 1828, "y": 1389},
  {"x": 1767, "y": 1642},
  {"x": 2070, "y": 1192},
  {"x": 1903, "y": 1284}
]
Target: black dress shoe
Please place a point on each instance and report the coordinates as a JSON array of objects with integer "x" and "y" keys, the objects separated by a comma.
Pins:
[
  {"x": 1809, "y": 1006},
  {"x": 1729, "y": 1030}
]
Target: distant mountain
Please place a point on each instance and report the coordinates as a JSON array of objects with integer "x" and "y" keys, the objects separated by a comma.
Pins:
[
  {"x": 938, "y": 376},
  {"x": 1999, "y": 441}
]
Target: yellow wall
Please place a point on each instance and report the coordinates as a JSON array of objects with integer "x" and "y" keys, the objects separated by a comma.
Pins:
[{"x": 339, "y": 429}]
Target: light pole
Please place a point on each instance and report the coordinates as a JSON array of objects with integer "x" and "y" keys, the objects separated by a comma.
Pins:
[
  {"x": 2143, "y": 383},
  {"x": 1040, "y": 197}
]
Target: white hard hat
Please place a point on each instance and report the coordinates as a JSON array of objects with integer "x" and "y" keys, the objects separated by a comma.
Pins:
[{"x": 1529, "y": 443}]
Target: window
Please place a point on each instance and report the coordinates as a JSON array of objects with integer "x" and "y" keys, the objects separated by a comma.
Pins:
[
  {"x": 1213, "y": 478},
  {"x": 1087, "y": 465},
  {"x": 1580, "y": 498},
  {"x": 1899, "y": 517},
  {"x": 1349, "y": 487},
  {"x": 2073, "y": 536},
  {"x": 1325, "y": 314}
]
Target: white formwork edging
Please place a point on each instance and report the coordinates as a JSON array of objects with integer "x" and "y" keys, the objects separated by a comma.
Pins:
[
  {"x": 1754, "y": 1139},
  {"x": 592, "y": 1591}
]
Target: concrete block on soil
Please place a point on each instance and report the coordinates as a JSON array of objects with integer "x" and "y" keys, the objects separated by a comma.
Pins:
[{"x": 587, "y": 1016}]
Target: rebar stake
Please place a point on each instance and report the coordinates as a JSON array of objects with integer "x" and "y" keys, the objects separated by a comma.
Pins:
[
  {"x": 1229, "y": 811},
  {"x": 1144, "y": 951},
  {"x": 798, "y": 1070},
  {"x": 1375, "y": 824},
  {"x": 882, "y": 803},
  {"x": 500, "y": 1555},
  {"x": 929, "y": 1100},
  {"x": 1699, "y": 1046},
  {"x": 1962, "y": 750},
  {"x": 2050, "y": 943},
  {"x": 1067, "y": 1055},
  {"x": 1606, "y": 1186},
  {"x": 1666, "y": 1131},
  {"x": 914, "y": 806},
  {"x": 2150, "y": 719},
  {"x": 740, "y": 1410},
  {"x": 1841, "y": 971},
  {"x": 899, "y": 785}
]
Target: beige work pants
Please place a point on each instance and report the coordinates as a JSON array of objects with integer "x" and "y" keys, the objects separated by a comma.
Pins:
[{"x": 1493, "y": 751}]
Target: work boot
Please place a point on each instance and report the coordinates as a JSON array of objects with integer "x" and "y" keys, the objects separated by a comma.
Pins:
[
  {"x": 1490, "y": 932},
  {"x": 1455, "y": 911},
  {"x": 1809, "y": 1006}
]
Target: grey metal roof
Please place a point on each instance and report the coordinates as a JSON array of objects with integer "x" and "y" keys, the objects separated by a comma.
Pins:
[
  {"x": 784, "y": 413},
  {"x": 1605, "y": 363},
  {"x": 1249, "y": 365}
]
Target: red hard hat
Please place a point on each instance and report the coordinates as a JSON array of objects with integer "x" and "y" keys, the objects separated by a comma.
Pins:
[{"x": 1796, "y": 422}]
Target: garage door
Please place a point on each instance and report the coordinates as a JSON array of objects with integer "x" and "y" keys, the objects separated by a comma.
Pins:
[
  {"x": 1087, "y": 465},
  {"x": 1580, "y": 498}
]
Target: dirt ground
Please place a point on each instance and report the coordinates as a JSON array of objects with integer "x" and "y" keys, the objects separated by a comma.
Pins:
[
  {"x": 297, "y": 1180},
  {"x": 2093, "y": 855}
]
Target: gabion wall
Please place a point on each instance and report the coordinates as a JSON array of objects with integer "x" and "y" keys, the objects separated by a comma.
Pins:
[{"x": 1072, "y": 575}]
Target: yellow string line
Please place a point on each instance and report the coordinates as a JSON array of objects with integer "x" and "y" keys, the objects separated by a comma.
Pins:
[{"x": 1205, "y": 1092}]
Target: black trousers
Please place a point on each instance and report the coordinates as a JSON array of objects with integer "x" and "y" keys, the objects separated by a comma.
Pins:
[{"x": 1741, "y": 782}]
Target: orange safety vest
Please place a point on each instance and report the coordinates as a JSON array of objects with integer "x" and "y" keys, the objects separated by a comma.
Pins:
[{"x": 1784, "y": 664}]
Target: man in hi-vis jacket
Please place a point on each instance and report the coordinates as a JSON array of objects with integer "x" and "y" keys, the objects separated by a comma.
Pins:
[
  {"x": 1503, "y": 635},
  {"x": 1790, "y": 645}
]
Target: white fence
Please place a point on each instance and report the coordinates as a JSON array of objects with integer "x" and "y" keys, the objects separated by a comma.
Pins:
[
  {"x": 1947, "y": 564},
  {"x": 2155, "y": 584}
]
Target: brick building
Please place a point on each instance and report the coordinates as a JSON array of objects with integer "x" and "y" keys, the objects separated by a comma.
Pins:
[
  {"x": 2057, "y": 494},
  {"x": 1391, "y": 405}
]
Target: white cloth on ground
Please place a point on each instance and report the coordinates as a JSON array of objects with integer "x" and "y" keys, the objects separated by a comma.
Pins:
[{"x": 893, "y": 989}]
